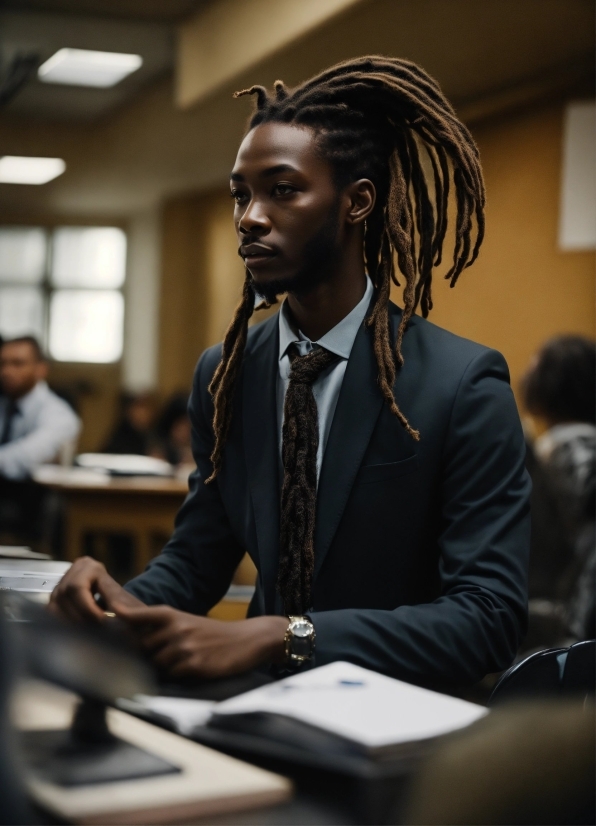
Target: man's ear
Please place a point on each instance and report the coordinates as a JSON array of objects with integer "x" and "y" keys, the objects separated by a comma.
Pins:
[{"x": 361, "y": 196}]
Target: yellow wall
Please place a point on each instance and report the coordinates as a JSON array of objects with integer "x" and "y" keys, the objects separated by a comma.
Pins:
[{"x": 522, "y": 289}]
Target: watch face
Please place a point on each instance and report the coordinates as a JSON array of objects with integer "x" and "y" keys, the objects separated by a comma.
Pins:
[{"x": 301, "y": 629}]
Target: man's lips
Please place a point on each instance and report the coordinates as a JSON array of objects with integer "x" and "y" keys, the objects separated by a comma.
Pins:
[{"x": 255, "y": 254}]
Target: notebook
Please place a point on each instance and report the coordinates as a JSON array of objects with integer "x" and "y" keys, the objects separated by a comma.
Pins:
[
  {"x": 349, "y": 709},
  {"x": 339, "y": 709}
]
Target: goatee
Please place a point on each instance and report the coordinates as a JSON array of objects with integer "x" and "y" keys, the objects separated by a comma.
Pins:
[{"x": 319, "y": 256}]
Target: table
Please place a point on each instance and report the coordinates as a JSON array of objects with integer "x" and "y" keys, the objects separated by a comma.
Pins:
[{"x": 141, "y": 507}]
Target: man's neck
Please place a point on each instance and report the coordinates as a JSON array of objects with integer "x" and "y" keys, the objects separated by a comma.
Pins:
[{"x": 318, "y": 311}]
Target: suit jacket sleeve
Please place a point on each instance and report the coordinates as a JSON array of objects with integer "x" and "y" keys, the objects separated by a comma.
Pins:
[
  {"x": 475, "y": 625},
  {"x": 196, "y": 567}
]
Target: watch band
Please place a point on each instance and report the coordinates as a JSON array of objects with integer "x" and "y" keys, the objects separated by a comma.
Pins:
[{"x": 299, "y": 641}]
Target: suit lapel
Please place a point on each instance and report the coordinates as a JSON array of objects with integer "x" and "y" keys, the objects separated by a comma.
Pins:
[
  {"x": 260, "y": 436},
  {"x": 358, "y": 408}
]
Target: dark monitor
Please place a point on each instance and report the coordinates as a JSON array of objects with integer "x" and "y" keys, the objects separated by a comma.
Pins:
[{"x": 99, "y": 664}]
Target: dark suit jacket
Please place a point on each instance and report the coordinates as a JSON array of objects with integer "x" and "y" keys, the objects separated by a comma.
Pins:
[{"x": 421, "y": 548}]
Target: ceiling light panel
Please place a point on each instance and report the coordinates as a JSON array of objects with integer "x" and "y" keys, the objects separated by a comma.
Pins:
[
  {"x": 82, "y": 67},
  {"x": 17, "y": 169}
]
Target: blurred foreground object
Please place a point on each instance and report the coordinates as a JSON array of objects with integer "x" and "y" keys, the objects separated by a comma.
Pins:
[
  {"x": 106, "y": 766},
  {"x": 526, "y": 764},
  {"x": 13, "y": 808}
]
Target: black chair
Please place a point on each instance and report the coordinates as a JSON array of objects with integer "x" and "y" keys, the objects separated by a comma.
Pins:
[{"x": 554, "y": 672}]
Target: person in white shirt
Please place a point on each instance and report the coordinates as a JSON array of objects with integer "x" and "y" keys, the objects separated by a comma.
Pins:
[{"x": 35, "y": 424}]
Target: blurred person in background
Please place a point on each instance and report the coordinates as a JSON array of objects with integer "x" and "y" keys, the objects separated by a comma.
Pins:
[
  {"x": 559, "y": 391},
  {"x": 172, "y": 432},
  {"x": 35, "y": 423},
  {"x": 35, "y": 426},
  {"x": 133, "y": 432}
]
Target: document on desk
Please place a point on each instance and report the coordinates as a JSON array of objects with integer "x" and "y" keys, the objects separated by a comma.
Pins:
[{"x": 370, "y": 713}]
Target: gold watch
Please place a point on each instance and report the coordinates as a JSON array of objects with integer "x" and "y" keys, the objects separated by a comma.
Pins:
[{"x": 299, "y": 641}]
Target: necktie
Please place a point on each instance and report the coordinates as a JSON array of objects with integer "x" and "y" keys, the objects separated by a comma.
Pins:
[
  {"x": 11, "y": 411},
  {"x": 300, "y": 441}
]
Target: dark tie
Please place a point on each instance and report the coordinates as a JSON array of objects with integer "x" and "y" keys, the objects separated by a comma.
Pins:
[
  {"x": 11, "y": 411},
  {"x": 300, "y": 442}
]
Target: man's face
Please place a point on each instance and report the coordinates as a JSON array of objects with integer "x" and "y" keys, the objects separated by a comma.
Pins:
[
  {"x": 287, "y": 209},
  {"x": 20, "y": 369}
]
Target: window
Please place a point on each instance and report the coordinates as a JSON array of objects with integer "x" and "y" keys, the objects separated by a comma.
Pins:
[{"x": 64, "y": 286}]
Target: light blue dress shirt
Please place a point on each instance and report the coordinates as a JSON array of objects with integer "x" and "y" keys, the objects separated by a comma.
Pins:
[
  {"x": 42, "y": 426},
  {"x": 339, "y": 340}
]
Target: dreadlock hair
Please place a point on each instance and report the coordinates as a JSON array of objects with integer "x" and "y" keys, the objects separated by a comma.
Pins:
[{"x": 387, "y": 120}]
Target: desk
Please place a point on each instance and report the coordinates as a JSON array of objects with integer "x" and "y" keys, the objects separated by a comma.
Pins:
[{"x": 142, "y": 507}]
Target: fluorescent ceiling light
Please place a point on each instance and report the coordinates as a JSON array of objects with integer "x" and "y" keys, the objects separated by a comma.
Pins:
[
  {"x": 15, "y": 169},
  {"x": 82, "y": 67}
]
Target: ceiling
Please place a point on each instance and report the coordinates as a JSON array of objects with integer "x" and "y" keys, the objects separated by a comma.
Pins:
[
  {"x": 41, "y": 27},
  {"x": 156, "y": 11},
  {"x": 128, "y": 148}
]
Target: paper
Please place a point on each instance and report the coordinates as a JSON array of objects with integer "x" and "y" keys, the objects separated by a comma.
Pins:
[
  {"x": 184, "y": 714},
  {"x": 125, "y": 464},
  {"x": 360, "y": 705}
]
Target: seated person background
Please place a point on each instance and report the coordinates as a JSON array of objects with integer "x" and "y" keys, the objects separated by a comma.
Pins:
[
  {"x": 172, "y": 432},
  {"x": 35, "y": 425},
  {"x": 559, "y": 390},
  {"x": 133, "y": 432}
]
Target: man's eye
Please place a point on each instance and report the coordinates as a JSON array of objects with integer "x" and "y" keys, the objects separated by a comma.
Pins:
[
  {"x": 283, "y": 189},
  {"x": 239, "y": 197}
]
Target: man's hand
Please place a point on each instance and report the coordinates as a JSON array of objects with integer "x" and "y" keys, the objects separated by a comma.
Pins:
[
  {"x": 186, "y": 645},
  {"x": 74, "y": 596}
]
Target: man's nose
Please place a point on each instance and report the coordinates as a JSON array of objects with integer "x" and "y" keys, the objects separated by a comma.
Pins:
[{"x": 254, "y": 220}]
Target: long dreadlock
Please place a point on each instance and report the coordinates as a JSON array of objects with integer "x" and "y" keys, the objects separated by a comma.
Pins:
[{"x": 384, "y": 119}]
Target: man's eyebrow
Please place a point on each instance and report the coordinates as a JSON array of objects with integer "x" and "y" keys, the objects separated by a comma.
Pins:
[
  {"x": 275, "y": 170},
  {"x": 266, "y": 173}
]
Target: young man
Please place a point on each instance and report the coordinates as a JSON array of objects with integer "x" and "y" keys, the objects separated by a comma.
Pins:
[{"x": 370, "y": 463}]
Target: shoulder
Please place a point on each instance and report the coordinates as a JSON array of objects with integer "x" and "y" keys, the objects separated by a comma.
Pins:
[
  {"x": 443, "y": 353},
  {"x": 48, "y": 403},
  {"x": 259, "y": 335}
]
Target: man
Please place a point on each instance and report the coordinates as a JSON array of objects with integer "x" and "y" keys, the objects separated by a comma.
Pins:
[
  {"x": 34, "y": 423},
  {"x": 371, "y": 464}
]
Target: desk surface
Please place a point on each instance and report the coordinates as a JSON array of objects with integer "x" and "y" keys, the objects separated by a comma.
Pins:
[{"x": 80, "y": 479}]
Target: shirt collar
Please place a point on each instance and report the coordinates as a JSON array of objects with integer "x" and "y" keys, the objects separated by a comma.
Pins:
[
  {"x": 339, "y": 340},
  {"x": 25, "y": 404}
]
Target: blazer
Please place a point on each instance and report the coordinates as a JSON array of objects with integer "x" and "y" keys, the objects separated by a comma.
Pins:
[{"x": 421, "y": 548}]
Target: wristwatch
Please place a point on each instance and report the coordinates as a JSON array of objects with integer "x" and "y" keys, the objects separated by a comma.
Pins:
[{"x": 299, "y": 641}]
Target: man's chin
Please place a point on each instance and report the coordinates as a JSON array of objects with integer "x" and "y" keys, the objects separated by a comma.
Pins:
[{"x": 299, "y": 284}]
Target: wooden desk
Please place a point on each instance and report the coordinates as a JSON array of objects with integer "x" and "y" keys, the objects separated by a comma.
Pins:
[{"x": 141, "y": 507}]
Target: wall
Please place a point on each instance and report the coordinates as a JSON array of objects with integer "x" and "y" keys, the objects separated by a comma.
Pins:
[{"x": 522, "y": 289}]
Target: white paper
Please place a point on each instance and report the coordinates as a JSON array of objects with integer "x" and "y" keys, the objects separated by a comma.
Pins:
[{"x": 358, "y": 704}]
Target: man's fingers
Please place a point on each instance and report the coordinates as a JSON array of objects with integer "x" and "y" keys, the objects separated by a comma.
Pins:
[
  {"x": 154, "y": 639},
  {"x": 169, "y": 655},
  {"x": 147, "y": 615},
  {"x": 114, "y": 593}
]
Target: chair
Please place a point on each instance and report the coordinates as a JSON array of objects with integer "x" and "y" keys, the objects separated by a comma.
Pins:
[{"x": 554, "y": 672}]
